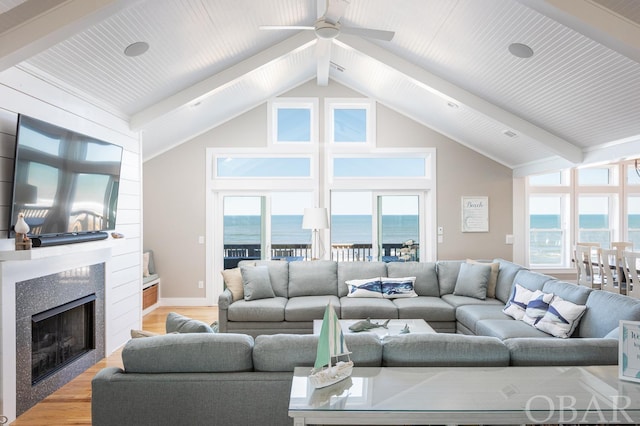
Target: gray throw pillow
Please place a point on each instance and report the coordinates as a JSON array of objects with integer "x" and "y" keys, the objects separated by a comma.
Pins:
[
  {"x": 473, "y": 279},
  {"x": 256, "y": 282},
  {"x": 177, "y": 323}
]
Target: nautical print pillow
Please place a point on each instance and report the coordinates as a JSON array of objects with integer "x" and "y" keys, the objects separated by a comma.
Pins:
[
  {"x": 517, "y": 305},
  {"x": 369, "y": 287},
  {"x": 396, "y": 288},
  {"x": 561, "y": 318},
  {"x": 537, "y": 307}
]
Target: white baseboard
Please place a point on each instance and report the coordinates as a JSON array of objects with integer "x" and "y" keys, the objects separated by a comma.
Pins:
[{"x": 183, "y": 301}]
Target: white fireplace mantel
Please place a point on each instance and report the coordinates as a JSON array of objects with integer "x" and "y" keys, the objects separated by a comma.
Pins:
[{"x": 18, "y": 266}]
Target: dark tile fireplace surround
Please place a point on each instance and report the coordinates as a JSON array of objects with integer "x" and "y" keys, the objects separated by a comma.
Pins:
[{"x": 36, "y": 299}]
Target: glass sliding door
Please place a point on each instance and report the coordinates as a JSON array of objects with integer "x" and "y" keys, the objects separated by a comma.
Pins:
[
  {"x": 243, "y": 229},
  {"x": 288, "y": 240},
  {"x": 351, "y": 226},
  {"x": 398, "y": 228}
]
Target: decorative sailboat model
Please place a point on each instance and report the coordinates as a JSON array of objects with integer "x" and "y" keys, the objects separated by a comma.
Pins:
[{"x": 331, "y": 366}]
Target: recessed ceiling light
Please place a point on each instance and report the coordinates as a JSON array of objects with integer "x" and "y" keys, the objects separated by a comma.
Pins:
[
  {"x": 520, "y": 50},
  {"x": 136, "y": 49},
  {"x": 452, "y": 105},
  {"x": 509, "y": 133}
]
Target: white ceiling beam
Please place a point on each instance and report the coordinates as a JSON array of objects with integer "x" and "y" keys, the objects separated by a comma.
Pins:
[
  {"x": 449, "y": 91},
  {"x": 209, "y": 86},
  {"x": 36, "y": 25},
  {"x": 594, "y": 21}
]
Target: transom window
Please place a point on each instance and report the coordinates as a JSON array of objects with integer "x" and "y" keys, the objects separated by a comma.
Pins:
[{"x": 350, "y": 121}]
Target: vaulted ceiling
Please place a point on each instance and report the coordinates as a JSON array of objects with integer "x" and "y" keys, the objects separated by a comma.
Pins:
[{"x": 575, "y": 101}]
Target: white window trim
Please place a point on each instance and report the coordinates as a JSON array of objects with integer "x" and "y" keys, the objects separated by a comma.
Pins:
[
  {"x": 300, "y": 103},
  {"x": 369, "y": 105}
]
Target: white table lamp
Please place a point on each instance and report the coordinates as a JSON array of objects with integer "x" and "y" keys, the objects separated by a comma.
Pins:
[{"x": 315, "y": 218}]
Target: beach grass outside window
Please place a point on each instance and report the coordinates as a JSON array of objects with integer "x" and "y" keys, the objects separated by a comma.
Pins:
[
  {"x": 293, "y": 121},
  {"x": 350, "y": 121}
]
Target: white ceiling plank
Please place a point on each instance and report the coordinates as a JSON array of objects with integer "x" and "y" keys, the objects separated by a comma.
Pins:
[
  {"x": 594, "y": 21},
  {"x": 452, "y": 92},
  {"x": 210, "y": 85},
  {"x": 37, "y": 25}
]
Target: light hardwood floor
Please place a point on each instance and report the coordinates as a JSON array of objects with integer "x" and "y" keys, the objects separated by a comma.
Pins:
[{"x": 71, "y": 404}]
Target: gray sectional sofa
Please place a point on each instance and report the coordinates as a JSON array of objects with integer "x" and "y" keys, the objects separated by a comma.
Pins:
[{"x": 235, "y": 378}]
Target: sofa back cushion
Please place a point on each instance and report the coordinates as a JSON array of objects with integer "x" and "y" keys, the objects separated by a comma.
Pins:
[
  {"x": 443, "y": 349},
  {"x": 278, "y": 274},
  {"x": 284, "y": 352},
  {"x": 577, "y": 294},
  {"x": 348, "y": 271},
  {"x": 448, "y": 275},
  {"x": 604, "y": 312},
  {"x": 316, "y": 278},
  {"x": 189, "y": 353},
  {"x": 426, "y": 276},
  {"x": 506, "y": 276}
]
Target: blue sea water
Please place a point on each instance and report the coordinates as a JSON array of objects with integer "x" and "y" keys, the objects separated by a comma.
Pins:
[{"x": 345, "y": 229}]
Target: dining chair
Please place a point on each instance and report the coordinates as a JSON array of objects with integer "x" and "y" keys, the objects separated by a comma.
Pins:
[
  {"x": 584, "y": 263},
  {"x": 610, "y": 268},
  {"x": 622, "y": 245},
  {"x": 630, "y": 268}
]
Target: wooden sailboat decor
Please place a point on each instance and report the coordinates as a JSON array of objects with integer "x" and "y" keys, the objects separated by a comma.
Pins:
[{"x": 333, "y": 363}]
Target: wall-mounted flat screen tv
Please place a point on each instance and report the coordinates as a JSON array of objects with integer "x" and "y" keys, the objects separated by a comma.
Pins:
[{"x": 64, "y": 182}]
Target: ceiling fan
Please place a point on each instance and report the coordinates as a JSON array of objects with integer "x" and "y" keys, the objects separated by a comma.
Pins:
[{"x": 328, "y": 27}]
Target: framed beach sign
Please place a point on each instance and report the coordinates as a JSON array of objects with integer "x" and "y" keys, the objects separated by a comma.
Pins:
[
  {"x": 475, "y": 214},
  {"x": 629, "y": 351}
]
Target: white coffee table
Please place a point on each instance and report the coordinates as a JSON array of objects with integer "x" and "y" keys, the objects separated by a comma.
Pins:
[{"x": 393, "y": 328}]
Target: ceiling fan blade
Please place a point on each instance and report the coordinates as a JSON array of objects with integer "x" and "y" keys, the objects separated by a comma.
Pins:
[
  {"x": 323, "y": 51},
  {"x": 286, "y": 27},
  {"x": 335, "y": 10},
  {"x": 369, "y": 32}
]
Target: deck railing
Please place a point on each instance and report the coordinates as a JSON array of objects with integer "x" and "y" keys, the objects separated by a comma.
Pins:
[{"x": 234, "y": 253}]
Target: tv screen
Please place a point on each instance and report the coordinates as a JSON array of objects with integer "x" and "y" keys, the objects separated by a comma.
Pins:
[{"x": 64, "y": 182}]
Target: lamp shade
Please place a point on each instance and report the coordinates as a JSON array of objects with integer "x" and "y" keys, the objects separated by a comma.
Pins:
[{"x": 315, "y": 218}]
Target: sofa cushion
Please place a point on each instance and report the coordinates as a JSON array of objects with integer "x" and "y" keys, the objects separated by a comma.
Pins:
[
  {"x": 398, "y": 288},
  {"x": 469, "y": 315},
  {"x": 355, "y": 308},
  {"x": 506, "y": 276},
  {"x": 189, "y": 353},
  {"x": 284, "y": 352},
  {"x": 433, "y": 349},
  {"x": 308, "y": 308},
  {"x": 278, "y": 274},
  {"x": 426, "y": 283},
  {"x": 562, "y": 318},
  {"x": 176, "y": 323},
  {"x": 425, "y": 307},
  {"x": 573, "y": 293},
  {"x": 233, "y": 281},
  {"x": 604, "y": 312},
  {"x": 258, "y": 310},
  {"x": 256, "y": 282},
  {"x": 448, "y": 275},
  {"x": 457, "y": 301},
  {"x": 317, "y": 278},
  {"x": 543, "y": 351},
  {"x": 367, "y": 287},
  {"x": 358, "y": 270},
  {"x": 507, "y": 329},
  {"x": 472, "y": 280},
  {"x": 493, "y": 278}
]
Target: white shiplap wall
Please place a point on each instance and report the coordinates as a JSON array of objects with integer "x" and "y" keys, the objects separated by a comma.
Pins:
[{"x": 21, "y": 93}]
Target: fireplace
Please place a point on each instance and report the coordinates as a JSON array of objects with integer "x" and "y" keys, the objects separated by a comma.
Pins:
[
  {"x": 59, "y": 330},
  {"x": 61, "y": 335}
]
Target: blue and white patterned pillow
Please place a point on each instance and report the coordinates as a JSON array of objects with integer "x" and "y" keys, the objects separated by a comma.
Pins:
[
  {"x": 369, "y": 287},
  {"x": 517, "y": 305},
  {"x": 562, "y": 318},
  {"x": 396, "y": 288},
  {"x": 537, "y": 307}
]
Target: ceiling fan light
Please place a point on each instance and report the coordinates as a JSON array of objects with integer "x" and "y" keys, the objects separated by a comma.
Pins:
[{"x": 326, "y": 30}]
